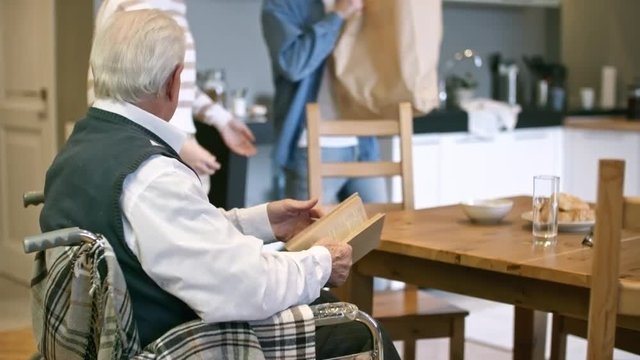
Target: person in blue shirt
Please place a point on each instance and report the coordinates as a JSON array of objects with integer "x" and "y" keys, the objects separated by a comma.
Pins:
[{"x": 300, "y": 35}]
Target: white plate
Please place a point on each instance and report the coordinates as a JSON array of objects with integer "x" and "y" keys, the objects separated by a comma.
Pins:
[{"x": 564, "y": 226}]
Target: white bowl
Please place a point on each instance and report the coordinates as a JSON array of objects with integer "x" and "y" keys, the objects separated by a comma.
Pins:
[{"x": 488, "y": 211}]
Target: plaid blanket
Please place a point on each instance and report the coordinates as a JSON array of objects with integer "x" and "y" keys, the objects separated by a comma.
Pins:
[{"x": 81, "y": 310}]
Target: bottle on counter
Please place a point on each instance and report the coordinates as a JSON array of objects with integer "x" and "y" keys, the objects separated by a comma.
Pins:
[
  {"x": 557, "y": 91},
  {"x": 608, "y": 87},
  {"x": 633, "y": 101}
]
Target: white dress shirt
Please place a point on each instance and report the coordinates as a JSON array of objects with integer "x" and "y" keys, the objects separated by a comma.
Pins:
[{"x": 211, "y": 259}]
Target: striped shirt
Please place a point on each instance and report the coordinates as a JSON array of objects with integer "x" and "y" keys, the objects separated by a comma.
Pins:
[{"x": 193, "y": 102}]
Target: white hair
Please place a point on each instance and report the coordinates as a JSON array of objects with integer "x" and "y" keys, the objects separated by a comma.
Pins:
[{"x": 134, "y": 53}]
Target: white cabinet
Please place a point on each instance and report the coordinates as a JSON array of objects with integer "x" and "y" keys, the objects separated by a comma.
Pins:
[
  {"x": 466, "y": 168},
  {"x": 583, "y": 149},
  {"x": 426, "y": 175},
  {"x": 522, "y": 154},
  {"x": 452, "y": 167},
  {"x": 502, "y": 166}
]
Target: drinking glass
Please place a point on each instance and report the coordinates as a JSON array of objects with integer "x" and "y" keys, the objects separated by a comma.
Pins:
[{"x": 545, "y": 206}]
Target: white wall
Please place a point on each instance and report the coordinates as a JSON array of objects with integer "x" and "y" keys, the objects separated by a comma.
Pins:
[{"x": 227, "y": 35}]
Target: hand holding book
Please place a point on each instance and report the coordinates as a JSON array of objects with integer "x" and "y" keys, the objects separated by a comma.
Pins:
[
  {"x": 348, "y": 223},
  {"x": 289, "y": 217},
  {"x": 341, "y": 260}
]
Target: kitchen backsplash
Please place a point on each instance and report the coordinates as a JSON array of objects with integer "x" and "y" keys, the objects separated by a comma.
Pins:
[{"x": 228, "y": 35}]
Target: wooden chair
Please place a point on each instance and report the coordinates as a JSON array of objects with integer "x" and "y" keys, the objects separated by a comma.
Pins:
[
  {"x": 610, "y": 296},
  {"x": 407, "y": 314}
]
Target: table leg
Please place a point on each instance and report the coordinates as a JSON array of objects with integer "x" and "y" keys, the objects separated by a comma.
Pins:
[{"x": 530, "y": 329}]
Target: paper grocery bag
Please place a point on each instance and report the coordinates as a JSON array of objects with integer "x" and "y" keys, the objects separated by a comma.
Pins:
[{"x": 386, "y": 55}]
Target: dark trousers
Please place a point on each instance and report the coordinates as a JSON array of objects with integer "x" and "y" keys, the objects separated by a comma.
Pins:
[{"x": 349, "y": 338}]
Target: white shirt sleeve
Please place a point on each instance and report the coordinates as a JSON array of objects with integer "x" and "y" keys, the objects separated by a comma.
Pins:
[
  {"x": 200, "y": 254},
  {"x": 209, "y": 112}
]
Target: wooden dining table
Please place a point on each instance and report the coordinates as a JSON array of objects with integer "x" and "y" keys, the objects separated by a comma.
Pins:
[{"x": 440, "y": 248}]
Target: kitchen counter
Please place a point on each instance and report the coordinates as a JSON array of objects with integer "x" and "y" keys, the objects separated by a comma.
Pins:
[
  {"x": 443, "y": 121},
  {"x": 614, "y": 123},
  {"x": 587, "y": 139}
]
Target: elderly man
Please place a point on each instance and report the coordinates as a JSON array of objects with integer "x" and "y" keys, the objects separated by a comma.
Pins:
[{"x": 120, "y": 175}]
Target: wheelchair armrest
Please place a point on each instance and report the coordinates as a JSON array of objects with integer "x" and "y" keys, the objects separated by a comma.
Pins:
[
  {"x": 334, "y": 313},
  {"x": 342, "y": 312},
  {"x": 63, "y": 237}
]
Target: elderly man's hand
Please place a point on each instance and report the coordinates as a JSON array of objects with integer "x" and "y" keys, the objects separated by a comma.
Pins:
[
  {"x": 238, "y": 138},
  {"x": 341, "y": 260},
  {"x": 202, "y": 161},
  {"x": 288, "y": 217}
]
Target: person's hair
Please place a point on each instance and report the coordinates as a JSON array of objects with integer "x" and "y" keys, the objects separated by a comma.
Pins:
[{"x": 134, "y": 54}]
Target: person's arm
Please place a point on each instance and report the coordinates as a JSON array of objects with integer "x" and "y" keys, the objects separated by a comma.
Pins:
[
  {"x": 235, "y": 133},
  {"x": 296, "y": 51},
  {"x": 252, "y": 221},
  {"x": 208, "y": 112},
  {"x": 194, "y": 252}
]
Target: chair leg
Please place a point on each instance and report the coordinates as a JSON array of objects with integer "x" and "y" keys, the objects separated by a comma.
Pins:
[
  {"x": 456, "y": 341},
  {"x": 558, "y": 338},
  {"x": 409, "y": 349}
]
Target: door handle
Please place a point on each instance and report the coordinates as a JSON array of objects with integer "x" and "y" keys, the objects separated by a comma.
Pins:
[
  {"x": 43, "y": 114},
  {"x": 40, "y": 94}
]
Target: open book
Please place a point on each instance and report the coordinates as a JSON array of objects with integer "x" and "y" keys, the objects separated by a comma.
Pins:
[{"x": 347, "y": 222}]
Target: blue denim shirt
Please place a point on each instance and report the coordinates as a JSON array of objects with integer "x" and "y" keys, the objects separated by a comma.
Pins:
[{"x": 299, "y": 37}]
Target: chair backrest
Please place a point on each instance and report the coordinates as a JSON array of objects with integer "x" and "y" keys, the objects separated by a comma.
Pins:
[
  {"x": 610, "y": 295},
  {"x": 401, "y": 127}
]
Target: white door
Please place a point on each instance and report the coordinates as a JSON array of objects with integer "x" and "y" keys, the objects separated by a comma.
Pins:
[{"x": 27, "y": 122}]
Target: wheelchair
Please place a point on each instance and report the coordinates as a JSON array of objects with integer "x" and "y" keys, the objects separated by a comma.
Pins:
[{"x": 81, "y": 310}]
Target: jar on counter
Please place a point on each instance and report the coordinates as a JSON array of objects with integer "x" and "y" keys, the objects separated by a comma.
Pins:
[
  {"x": 239, "y": 103},
  {"x": 633, "y": 102},
  {"x": 215, "y": 86}
]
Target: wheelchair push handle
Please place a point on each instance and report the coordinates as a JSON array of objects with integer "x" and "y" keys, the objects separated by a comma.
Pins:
[
  {"x": 63, "y": 237},
  {"x": 32, "y": 198}
]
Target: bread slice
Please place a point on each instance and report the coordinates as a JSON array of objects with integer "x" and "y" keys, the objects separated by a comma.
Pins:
[
  {"x": 568, "y": 202},
  {"x": 576, "y": 215}
]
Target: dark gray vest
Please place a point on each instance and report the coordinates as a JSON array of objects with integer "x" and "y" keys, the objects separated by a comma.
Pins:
[{"x": 83, "y": 188}]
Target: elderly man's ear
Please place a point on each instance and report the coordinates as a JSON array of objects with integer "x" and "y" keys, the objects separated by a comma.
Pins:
[{"x": 173, "y": 83}]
